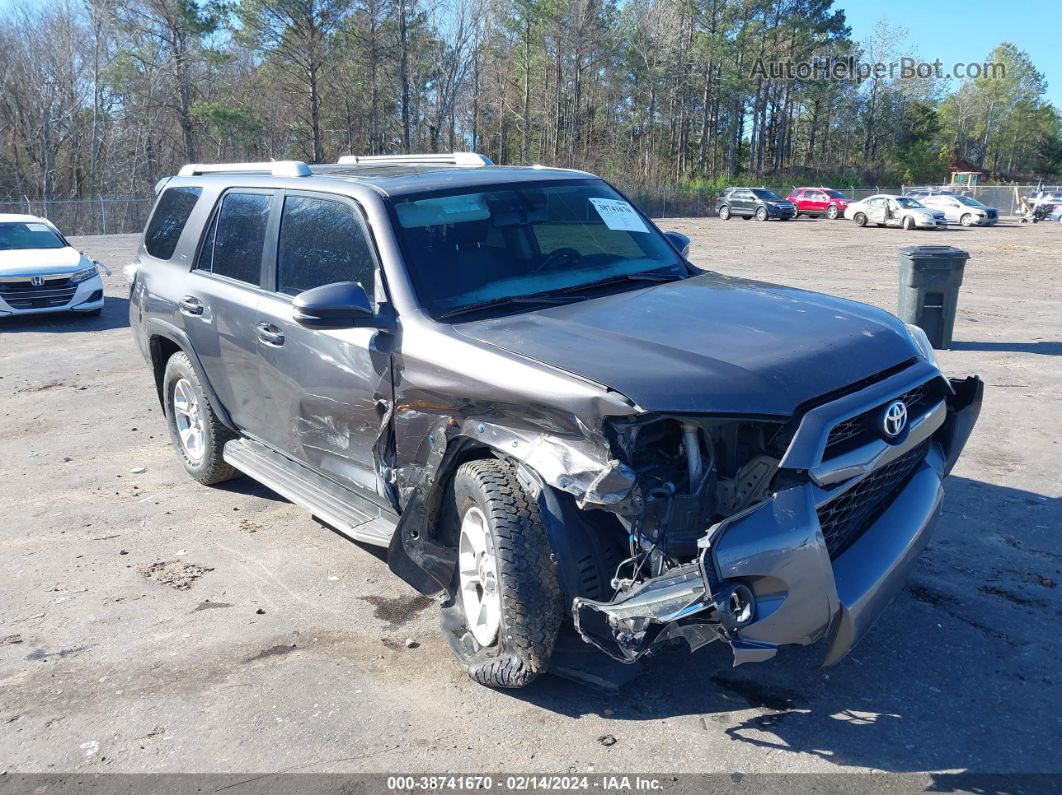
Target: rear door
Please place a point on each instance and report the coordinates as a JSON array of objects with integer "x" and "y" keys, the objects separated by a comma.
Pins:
[
  {"x": 876, "y": 210},
  {"x": 325, "y": 393},
  {"x": 221, "y": 295},
  {"x": 816, "y": 201}
]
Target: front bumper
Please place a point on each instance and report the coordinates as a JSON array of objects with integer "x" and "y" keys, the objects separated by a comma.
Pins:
[
  {"x": 87, "y": 296},
  {"x": 777, "y": 553},
  {"x": 780, "y": 212},
  {"x": 931, "y": 223}
]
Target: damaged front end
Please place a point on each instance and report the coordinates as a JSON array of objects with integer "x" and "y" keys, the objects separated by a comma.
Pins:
[{"x": 779, "y": 533}]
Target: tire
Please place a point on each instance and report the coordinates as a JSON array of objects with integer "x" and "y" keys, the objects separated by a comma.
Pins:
[
  {"x": 186, "y": 402},
  {"x": 724, "y": 213},
  {"x": 530, "y": 607},
  {"x": 966, "y": 219},
  {"x": 761, "y": 214},
  {"x": 908, "y": 223},
  {"x": 832, "y": 213},
  {"x": 860, "y": 219}
]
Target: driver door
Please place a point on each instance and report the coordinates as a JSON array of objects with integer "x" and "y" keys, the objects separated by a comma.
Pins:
[{"x": 326, "y": 392}]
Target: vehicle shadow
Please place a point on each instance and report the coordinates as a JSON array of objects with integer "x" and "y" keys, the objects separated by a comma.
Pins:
[
  {"x": 115, "y": 315},
  {"x": 1042, "y": 347},
  {"x": 955, "y": 670}
]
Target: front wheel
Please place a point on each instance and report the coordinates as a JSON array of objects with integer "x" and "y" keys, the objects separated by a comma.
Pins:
[
  {"x": 860, "y": 219},
  {"x": 198, "y": 435},
  {"x": 908, "y": 223},
  {"x": 761, "y": 214},
  {"x": 967, "y": 219},
  {"x": 506, "y": 608},
  {"x": 724, "y": 213},
  {"x": 832, "y": 213}
]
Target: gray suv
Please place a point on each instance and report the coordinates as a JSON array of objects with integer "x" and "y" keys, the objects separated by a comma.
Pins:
[{"x": 554, "y": 422}]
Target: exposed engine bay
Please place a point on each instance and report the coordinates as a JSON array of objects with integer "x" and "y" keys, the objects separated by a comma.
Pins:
[{"x": 691, "y": 472}]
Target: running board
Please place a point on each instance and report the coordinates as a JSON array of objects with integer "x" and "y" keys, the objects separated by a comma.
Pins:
[{"x": 328, "y": 501}]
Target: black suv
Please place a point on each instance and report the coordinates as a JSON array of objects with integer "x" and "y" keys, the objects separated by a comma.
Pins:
[
  {"x": 555, "y": 423},
  {"x": 754, "y": 202}
]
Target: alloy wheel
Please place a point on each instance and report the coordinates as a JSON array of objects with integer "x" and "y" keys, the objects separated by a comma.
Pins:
[
  {"x": 188, "y": 417},
  {"x": 478, "y": 571}
]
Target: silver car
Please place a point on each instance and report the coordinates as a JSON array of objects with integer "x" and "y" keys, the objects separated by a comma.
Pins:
[
  {"x": 889, "y": 210},
  {"x": 962, "y": 209}
]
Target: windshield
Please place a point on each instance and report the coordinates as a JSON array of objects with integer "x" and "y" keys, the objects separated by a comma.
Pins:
[
  {"x": 969, "y": 202},
  {"x": 908, "y": 203},
  {"x": 28, "y": 234},
  {"x": 835, "y": 194},
  {"x": 470, "y": 247},
  {"x": 765, "y": 194}
]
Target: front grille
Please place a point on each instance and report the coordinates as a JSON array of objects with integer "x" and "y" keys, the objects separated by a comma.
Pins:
[
  {"x": 25, "y": 295},
  {"x": 846, "y": 517},
  {"x": 992, "y": 213},
  {"x": 849, "y": 434}
]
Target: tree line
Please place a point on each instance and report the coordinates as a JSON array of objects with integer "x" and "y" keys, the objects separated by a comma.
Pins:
[{"x": 103, "y": 97}]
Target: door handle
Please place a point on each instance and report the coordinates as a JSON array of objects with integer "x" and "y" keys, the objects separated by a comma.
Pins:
[
  {"x": 270, "y": 334},
  {"x": 192, "y": 306}
]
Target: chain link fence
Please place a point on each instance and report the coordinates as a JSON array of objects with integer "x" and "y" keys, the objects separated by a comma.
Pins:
[
  {"x": 116, "y": 216},
  {"x": 102, "y": 216}
]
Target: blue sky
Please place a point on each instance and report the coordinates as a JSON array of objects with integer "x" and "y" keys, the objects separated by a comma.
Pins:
[{"x": 969, "y": 29}]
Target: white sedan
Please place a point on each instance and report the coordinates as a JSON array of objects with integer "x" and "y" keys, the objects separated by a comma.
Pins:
[
  {"x": 886, "y": 209},
  {"x": 962, "y": 209},
  {"x": 41, "y": 272}
]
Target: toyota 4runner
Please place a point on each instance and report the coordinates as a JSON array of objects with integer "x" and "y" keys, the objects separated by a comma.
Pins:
[{"x": 516, "y": 383}]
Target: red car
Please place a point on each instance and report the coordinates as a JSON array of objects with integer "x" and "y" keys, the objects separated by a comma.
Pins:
[{"x": 819, "y": 201}]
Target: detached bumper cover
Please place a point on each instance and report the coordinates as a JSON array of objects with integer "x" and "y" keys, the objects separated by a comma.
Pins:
[{"x": 776, "y": 550}]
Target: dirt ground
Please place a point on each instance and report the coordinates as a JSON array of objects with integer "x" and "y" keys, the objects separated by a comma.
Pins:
[{"x": 151, "y": 624}]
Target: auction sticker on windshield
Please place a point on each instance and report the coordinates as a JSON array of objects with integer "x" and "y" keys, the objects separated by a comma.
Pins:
[{"x": 619, "y": 215}]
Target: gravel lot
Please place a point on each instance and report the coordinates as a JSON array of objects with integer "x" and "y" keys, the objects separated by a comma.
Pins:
[{"x": 151, "y": 624}]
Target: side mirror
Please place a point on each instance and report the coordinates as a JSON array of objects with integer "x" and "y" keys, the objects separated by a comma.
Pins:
[
  {"x": 338, "y": 305},
  {"x": 680, "y": 242}
]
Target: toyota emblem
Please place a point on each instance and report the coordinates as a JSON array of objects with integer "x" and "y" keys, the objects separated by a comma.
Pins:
[{"x": 894, "y": 420}]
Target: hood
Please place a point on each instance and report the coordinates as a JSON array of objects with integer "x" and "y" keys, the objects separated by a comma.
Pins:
[
  {"x": 39, "y": 261},
  {"x": 708, "y": 344}
]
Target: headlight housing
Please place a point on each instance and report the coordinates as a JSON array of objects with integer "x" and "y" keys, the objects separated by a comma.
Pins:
[
  {"x": 922, "y": 341},
  {"x": 83, "y": 275}
]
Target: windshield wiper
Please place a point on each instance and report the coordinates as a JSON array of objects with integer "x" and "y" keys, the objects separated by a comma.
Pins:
[
  {"x": 563, "y": 295},
  {"x": 543, "y": 298},
  {"x": 647, "y": 276}
]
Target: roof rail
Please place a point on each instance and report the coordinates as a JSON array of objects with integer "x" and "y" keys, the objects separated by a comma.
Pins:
[
  {"x": 276, "y": 168},
  {"x": 452, "y": 159}
]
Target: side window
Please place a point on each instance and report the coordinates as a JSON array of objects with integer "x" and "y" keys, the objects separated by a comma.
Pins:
[
  {"x": 322, "y": 242},
  {"x": 236, "y": 236},
  {"x": 168, "y": 220}
]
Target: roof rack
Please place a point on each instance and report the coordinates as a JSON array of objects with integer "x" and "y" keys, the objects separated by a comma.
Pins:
[
  {"x": 452, "y": 159},
  {"x": 276, "y": 168}
]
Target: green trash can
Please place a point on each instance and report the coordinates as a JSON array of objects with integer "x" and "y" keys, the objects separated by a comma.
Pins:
[{"x": 930, "y": 277}]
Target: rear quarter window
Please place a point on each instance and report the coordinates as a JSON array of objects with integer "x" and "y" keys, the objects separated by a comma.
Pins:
[{"x": 167, "y": 222}]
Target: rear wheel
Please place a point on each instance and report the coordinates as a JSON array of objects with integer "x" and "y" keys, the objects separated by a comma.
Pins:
[
  {"x": 507, "y": 606},
  {"x": 198, "y": 435},
  {"x": 761, "y": 214},
  {"x": 860, "y": 219},
  {"x": 724, "y": 213},
  {"x": 831, "y": 213}
]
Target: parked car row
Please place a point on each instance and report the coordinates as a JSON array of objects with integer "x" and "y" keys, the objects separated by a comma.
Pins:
[{"x": 918, "y": 209}]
